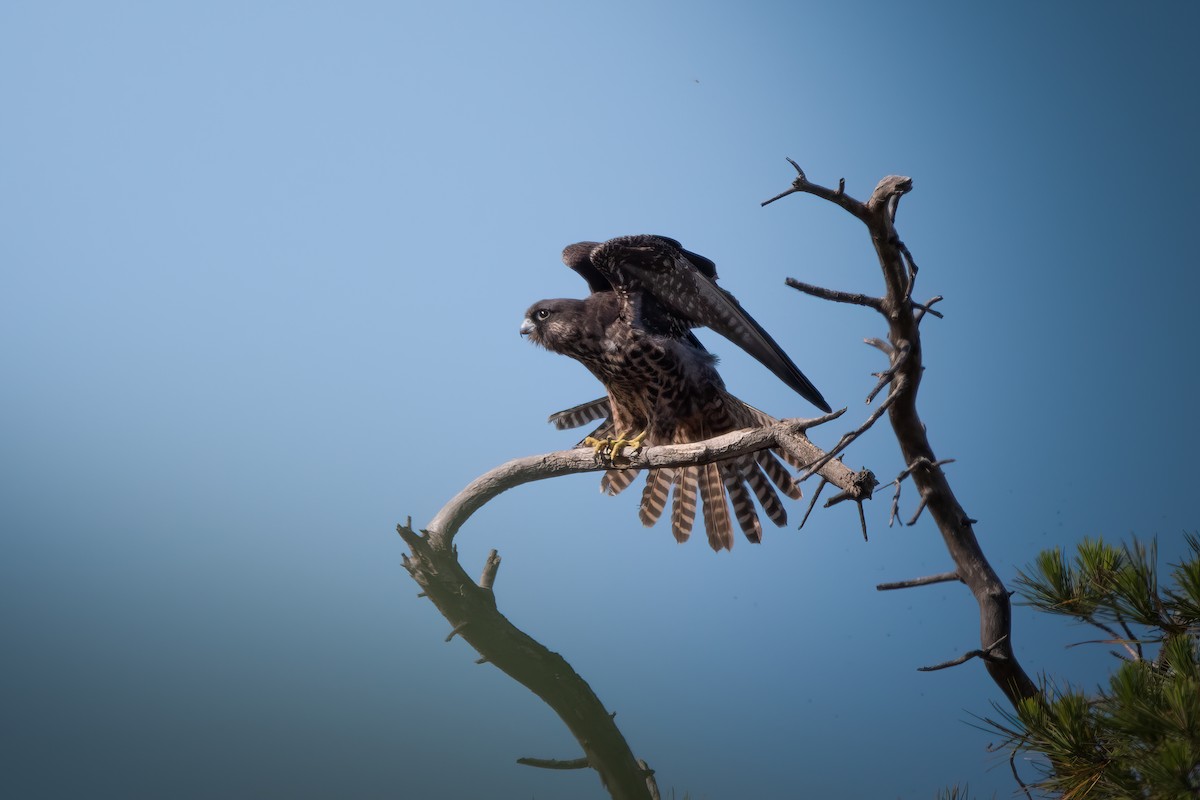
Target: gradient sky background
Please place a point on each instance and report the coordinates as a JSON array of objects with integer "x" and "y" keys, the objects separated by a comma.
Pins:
[{"x": 261, "y": 272}]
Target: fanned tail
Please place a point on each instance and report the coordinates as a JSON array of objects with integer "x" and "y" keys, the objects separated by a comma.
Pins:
[{"x": 762, "y": 475}]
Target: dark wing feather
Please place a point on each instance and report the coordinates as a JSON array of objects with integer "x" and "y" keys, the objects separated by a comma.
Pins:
[
  {"x": 578, "y": 257},
  {"x": 660, "y": 267}
]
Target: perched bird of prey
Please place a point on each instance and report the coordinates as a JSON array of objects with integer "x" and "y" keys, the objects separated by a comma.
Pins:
[{"x": 634, "y": 333}]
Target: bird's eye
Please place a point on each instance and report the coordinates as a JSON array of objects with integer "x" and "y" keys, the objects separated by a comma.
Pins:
[{"x": 542, "y": 313}]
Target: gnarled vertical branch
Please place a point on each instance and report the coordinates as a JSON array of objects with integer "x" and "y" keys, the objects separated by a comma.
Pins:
[{"x": 904, "y": 378}]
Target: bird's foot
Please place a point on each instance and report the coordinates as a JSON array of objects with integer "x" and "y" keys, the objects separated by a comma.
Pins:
[
  {"x": 611, "y": 448},
  {"x": 634, "y": 444}
]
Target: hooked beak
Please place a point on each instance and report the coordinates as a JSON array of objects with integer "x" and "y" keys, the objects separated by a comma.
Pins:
[{"x": 527, "y": 327}]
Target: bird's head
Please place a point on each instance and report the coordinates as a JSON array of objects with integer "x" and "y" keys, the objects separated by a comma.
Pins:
[{"x": 552, "y": 323}]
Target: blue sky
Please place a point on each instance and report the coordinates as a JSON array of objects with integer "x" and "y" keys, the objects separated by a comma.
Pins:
[{"x": 261, "y": 272}]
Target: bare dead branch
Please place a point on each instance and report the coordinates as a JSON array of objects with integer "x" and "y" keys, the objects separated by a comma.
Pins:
[
  {"x": 985, "y": 654},
  {"x": 922, "y": 462},
  {"x": 917, "y": 511},
  {"x": 927, "y": 308},
  {"x": 836, "y": 196},
  {"x": 489, "y": 570},
  {"x": 899, "y": 356},
  {"x": 471, "y": 606},
  {"x": 555, "y": 763},
  {"x": 941, "y": 577},
  {"x": 899, "y": 481},
  {"x": 472, "y": 611},
  {"x": 864, "y": 488},
  {"x": 813, "y": 502},
  {"x": 912, "y": 264},
  {"x": 899, "y": 270},
  {"x": 787, "y": 434},
  {"x": 881, "y": 345},
  {"x": 836, "y": 296},
  {"x": 848, "y": 438}
]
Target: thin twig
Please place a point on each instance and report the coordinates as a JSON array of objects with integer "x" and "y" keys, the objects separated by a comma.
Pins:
[
  {"x": 555, "y": 763},
  {"x": 1125, "y": 627},
  {"x": 1012, "y": 763},
  {"x": 941, "y": 577},
  {"x": 898, "y": 482},
  {"x": 1116, "y": 638},
  {"x": 837, "y": 196},
  {"x": 836, "y": 296},
  {"x": 921, "y": 504},
  {"x": 985, "y": 655},
  {"x": 912, "y": 264},
  {"x": 927, "y": 308},
  {"x": 848, "y": 438},
  {"x": 813, "y": 502},
  {"x": 899, "y": 359}
]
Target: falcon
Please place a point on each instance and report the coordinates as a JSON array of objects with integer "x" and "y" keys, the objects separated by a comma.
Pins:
[{"x": 634, "y": 333}]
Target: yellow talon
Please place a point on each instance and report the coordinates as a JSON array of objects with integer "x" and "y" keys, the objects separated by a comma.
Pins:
[
  {"x": 636, "y": 442},
  {"x": 611, "y": 448},
  {"x": 599, "y": 445}
]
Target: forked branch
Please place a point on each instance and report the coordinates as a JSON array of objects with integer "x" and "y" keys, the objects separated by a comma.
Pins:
[{"x": 903, "y": 380}]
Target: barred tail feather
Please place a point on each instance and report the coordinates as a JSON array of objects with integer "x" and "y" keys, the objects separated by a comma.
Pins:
[
  {"x": 654, "y": 496},
  {"x": 766, "y": 495},
  {"x": 683, "y": 506},
  {"x": 778, "y": 473},
  {"x": 616, "y": 481},
  {"x": 716, "y": 512},
  {"x": 734, "y": 474}
]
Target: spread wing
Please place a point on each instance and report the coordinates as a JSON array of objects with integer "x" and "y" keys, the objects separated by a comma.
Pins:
[{"x": 671, "y": 290}]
